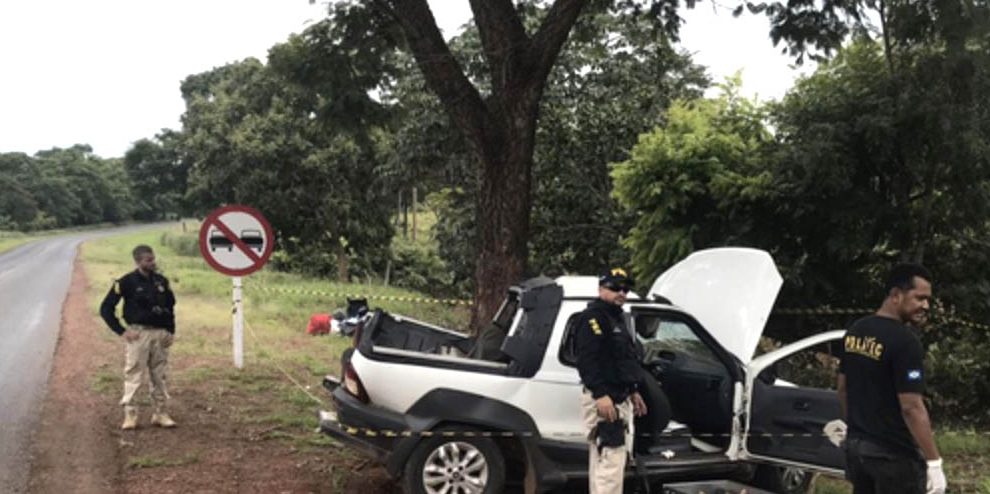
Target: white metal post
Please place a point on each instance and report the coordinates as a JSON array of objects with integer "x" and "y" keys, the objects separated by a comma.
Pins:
[{"x": 238, "y": 325}]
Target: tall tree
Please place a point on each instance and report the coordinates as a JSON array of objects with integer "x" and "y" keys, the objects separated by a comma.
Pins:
[
  {"x": 614, "y": 78},
  {"x": 498, "y": 118},
  {"x": 255, "y": 137},
  {"x": 159, "y": 174}
]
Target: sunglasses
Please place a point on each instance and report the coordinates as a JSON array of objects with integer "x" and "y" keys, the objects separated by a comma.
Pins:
[{"x": 616, "y": 288}]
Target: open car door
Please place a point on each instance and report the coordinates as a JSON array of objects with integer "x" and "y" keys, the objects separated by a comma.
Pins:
[{"x": 785, "y": 422}]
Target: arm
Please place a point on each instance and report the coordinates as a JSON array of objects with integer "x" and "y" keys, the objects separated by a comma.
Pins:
[
  {"x": 589, "y": 339},
  {"x": 170, "y": 303},
  {"x": 916, "y": 417},
  {"x": 843, "y": 399},
  {"x": 108, "y": 309}
]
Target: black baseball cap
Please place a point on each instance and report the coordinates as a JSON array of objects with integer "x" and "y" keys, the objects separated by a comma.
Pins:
[{"x": 616, "y": 279}]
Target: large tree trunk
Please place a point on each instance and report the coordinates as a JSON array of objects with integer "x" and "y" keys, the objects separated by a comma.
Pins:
[
  {"x": 503, "y": 214},
  {"x": 500, "y": 127}
]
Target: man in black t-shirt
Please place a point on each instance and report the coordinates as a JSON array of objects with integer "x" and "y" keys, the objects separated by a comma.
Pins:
[{"x": 890, "y": 447}]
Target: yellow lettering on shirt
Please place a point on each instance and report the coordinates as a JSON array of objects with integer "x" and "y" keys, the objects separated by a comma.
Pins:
[
  {"x": 866, "y": 346},
  {"x": 595, "y": 328}
]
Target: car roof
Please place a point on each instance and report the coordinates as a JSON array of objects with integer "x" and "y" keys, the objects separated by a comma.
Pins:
[{"x": 583, "y": 287}]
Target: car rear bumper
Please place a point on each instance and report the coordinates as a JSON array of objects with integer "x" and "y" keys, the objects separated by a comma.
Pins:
[
  {"x": 376, "y": 432},
  {"x": 330, "y": 425}
]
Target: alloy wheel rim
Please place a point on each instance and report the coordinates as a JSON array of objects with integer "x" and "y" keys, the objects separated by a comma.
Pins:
[{"x": 455, "y": 468}]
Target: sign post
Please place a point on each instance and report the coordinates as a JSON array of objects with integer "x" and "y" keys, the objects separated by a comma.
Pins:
[
  {"x": 238, "y": 324},
  {"x": 236, "y": 241}
]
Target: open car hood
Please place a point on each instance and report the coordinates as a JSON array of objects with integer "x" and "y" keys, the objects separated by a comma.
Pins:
[{"x": 730, "y": 291}]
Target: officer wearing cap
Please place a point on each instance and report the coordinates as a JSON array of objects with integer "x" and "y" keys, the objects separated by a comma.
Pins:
[
  {"x": 610, "y": 373},
  {"x": 148, "y": 311}
]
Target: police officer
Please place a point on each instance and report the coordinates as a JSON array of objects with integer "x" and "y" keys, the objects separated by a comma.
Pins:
[
  {"x": 148, "y": 311},
  {"x": 890, "y": 447},
  {"x": 610, "y": 372}
]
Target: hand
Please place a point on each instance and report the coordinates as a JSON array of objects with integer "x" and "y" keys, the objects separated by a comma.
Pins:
[
  {"x": 606, "y": 409},
  {"x": 835, "y": 431},
  {"x": 168, "y": 340},
  {"x": 936, "y": 478},
  {"x": 131, "y": 335},
  {"x": 639, "y": 406}
]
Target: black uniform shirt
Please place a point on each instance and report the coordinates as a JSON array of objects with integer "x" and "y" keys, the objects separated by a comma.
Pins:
[
  {"x": 148, "y": 300},
  {"x": 606, "y": 353},
  {"x": 881, "y": 358}
]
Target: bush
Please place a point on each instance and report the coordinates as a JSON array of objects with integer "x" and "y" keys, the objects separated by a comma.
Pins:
[
  {"x": 420, "y": 268},
  {"x": 958, "y": 362},
  {"x": 184, "y": 245}
]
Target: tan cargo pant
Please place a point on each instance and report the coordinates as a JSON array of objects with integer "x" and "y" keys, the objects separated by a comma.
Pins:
[
  {"x": 147, "y": 355},
  {"x": 607, "y": 469}
]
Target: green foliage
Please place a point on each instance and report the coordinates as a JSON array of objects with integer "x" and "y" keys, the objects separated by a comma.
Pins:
[
  {"x": 159, "y": 175},
  {"x": 457, "y": 237},
  {"x": 879, "y": 168},
  {"x": 955, "y": 355},
  {"x": 614, "y": 78},
  {"x": 62, "y": 188},
  {"x": 183, "y": 245},
  {"x": 420, "y": 268},
  {"x": 253, "y": 137},
  {"x": 865, "y": 168},
  {"x": 698, "y": 181}
]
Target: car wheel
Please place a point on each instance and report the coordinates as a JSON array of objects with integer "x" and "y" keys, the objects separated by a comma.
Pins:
[
  {"x": 783, "y": 480},
  {"x": 455, "y": 465}
]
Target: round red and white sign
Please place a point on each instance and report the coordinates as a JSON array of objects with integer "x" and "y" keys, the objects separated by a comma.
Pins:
[{"x": 236, "y": 240}]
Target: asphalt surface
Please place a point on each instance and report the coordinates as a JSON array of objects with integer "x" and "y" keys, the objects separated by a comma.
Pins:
[{"x": 34, "y": 280}]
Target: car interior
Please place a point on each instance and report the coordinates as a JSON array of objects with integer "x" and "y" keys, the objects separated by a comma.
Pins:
[{"x": 693, "y": 379}]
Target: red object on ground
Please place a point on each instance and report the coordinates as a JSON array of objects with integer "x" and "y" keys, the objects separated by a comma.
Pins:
[{"x": 319, "y": 324}]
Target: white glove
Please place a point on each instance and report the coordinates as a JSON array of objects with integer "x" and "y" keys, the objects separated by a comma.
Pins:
[
  {"x": 835, "y": 431},
  {"x": 936, "y": 477}
]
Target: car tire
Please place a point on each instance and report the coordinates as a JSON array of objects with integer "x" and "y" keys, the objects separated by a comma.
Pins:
[
  {"x": 479, "y": 459},
  {"x": 783, "y": 480}
]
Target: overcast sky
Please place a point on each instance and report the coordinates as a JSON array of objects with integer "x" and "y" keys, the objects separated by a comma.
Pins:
[{"x": 107, "y": 72}]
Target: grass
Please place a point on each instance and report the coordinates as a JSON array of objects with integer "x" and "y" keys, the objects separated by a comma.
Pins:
[
  {"x": 12, "y": 239},
  {"x": 106, "y": 380},
  {"x": 276, "y": 346},
  {"x": 967, "y": 464},
  {"x": 277, "y": 308}
]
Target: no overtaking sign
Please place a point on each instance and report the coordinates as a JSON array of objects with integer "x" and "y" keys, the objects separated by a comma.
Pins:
[{"x": 236, "y": 240}]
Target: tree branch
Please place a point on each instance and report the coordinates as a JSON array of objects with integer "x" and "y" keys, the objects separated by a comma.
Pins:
[
  {"x": 504, "y": 41},
  {"x": 443, "y": 74},
  {"x": 550, "y": 38}
]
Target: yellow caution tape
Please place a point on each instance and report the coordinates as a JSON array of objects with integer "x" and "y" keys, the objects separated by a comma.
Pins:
[
  {"x": 361, "y": 431},
  {"x": 390, "y": 298}
]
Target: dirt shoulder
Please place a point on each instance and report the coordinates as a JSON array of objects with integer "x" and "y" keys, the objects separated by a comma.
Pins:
[{"x": 221, "y": 444}]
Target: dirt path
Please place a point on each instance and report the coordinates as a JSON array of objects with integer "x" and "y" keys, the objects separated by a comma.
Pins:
[{"x": 79, "y": 448}]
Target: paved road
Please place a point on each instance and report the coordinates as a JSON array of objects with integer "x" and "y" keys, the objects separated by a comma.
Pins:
[{"x": 34, "y": 279}]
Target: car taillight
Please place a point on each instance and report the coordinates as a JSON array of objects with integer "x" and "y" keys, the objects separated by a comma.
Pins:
[
  {"x": 356, "y": 338},
  {"x": 352, "y": 383}
]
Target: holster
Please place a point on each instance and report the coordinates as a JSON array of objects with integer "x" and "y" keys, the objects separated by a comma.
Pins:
[{"x": 610, "y": 434}]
